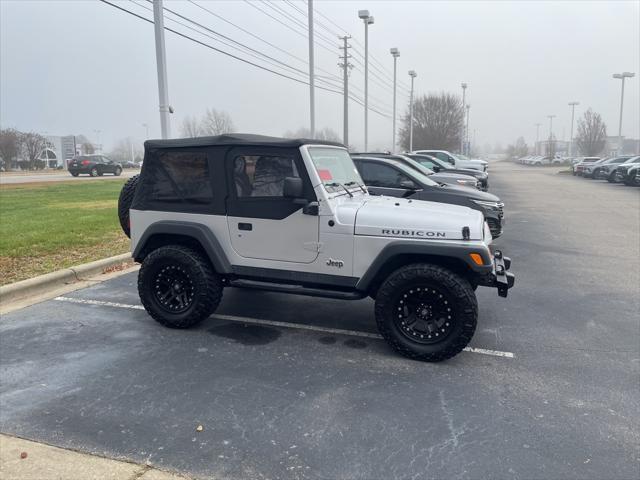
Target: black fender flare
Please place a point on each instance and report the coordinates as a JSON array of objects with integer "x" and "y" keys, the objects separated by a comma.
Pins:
[
  {"x": 458, "y": 252},
  {"x": 198, "y": 232}
]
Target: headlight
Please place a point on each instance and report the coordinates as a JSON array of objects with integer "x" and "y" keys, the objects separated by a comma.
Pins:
[
  {"x": 468, "y": 183},
  {"x": 487, "y": 205}
]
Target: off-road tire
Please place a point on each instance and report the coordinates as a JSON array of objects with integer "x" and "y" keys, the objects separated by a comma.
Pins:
[
  {"x": 455, "y": 288},
  {"x": 117, "y": 172},
  {"x": 206, "y": 285},
  {"x": 124, "y": 203},
  {"x": 94, "y": 172}
]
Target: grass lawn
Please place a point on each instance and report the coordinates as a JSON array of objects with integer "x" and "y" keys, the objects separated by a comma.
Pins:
[{"x": 48, "y": 226}]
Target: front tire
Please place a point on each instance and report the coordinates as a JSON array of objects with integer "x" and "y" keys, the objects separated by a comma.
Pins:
[
  {"x": 426, "y": 312},
  {"x": 117, "y": 172},
  {"x": 94, "y": 172},
  {"x": 178, "y": 287},
  {"x": 611, "y": 178}
]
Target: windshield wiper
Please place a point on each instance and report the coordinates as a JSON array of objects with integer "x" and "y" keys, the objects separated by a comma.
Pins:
[
  {"x": 353, "y": 182},
  {"x": 337, "y": 184}
]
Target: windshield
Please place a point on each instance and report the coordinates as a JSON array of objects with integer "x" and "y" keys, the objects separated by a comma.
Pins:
[
  {"x": 334, "y": 167},
  {"x": 417, "y": 171}
]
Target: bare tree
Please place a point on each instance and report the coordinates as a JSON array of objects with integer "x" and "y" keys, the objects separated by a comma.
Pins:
[
  {"x": 86, "y": 147},
  {"x": 519, "y": 149},
  {"x": 32, "y": 146},
  {"x": 592, "y": 133},
  {"x": 191, "y": 127},
  {"x": 9, "y": 146},
  {"x": 216, "y": 122},
  {"x": 437, "y": 122},
  {"x": 324, "y": 134},
  {"x": 123, "y": 149}
]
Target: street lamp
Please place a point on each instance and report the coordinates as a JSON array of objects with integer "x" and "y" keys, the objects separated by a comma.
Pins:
[
  {"x": 368, "y": 20},
  {"x": 395, "y": 53},
  {"x": 146, "y": 126},
  {"x": 550, "y": 117},
  {"x": 621, "y": 76},
  {"x": 466, "y": 130},
  {"x": 537, "y": 136},
  {"x": 573, "y": 111},
  {"x": 464, "y": 90},
  {"x": 413, "y": 75}
]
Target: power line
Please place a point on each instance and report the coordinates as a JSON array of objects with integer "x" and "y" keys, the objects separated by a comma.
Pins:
[{"x": 183, "y": 35}]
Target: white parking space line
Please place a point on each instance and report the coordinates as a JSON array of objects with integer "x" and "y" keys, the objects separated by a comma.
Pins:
[{"x": 273, "y": 323}]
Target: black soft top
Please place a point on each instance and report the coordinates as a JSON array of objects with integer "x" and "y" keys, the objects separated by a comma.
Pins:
[{"x": 244, "y": 139}]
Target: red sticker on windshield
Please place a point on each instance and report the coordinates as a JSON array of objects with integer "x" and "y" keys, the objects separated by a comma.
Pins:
[{"x": 325, "y": 175}]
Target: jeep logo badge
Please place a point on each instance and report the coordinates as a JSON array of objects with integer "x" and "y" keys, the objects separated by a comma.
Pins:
[{"x": 335, "y": 263}]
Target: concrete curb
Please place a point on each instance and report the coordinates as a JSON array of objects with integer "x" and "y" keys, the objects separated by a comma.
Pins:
[{"x": 37, "y": 285}]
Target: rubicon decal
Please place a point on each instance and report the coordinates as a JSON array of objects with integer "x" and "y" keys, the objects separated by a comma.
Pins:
[{"x": 413, "y": 233}]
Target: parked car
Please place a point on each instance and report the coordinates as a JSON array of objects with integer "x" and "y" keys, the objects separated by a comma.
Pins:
[
  {"x": 455, "y": 160},
  {"x": 621, "y": 171},
  {"x": 384, "y": 176},
  {"x": 442, "y": 177},
  {"x": 603, "y": 168},
  {"x": 94, "y": 165},
  {"x": 130, "y": 164},
  {"x": 439, "y": 166},
  {"x": 292, "y": 216},
  {"x": 633, "y": 175},
  {"x": 582, "y": 164}
]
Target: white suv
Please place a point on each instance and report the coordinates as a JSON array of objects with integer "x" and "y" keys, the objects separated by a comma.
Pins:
[{"x": 293, "y": 216}]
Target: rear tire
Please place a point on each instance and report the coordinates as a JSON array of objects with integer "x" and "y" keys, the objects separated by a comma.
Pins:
[
  {"x": 426, "y": 312},
  {"x": 124, "y": 203},
  {"x": 178, "y": 287},
  {"x": 75, "y": 174},
  {"x": 611, "y": 178}
]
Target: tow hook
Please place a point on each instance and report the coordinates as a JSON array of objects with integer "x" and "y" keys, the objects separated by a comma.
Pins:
[{"x": 503, "y": 279}]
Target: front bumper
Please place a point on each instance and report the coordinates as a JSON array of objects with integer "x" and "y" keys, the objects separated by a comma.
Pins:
[{"x": 500, "y": 277}]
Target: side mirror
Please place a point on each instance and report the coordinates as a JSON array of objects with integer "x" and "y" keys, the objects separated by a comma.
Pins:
[
  {"x": 408, "y": 184},
  {"x": 435, "y": 168},
  {"x": 292, "y": 187}
]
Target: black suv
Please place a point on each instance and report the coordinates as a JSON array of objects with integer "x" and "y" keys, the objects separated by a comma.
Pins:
[
  {"x": 94, "y": 165},
  {"x": 385, "y": 176},
  {"x": 438, "y": 166}
]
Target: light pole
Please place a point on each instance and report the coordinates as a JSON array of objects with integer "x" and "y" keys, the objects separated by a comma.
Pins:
[
  {"x": 621, "y": 76},
  {"x": 161, "y": 63},
  {"x": 413, "y": 75},
  {"x": 464, "y": 91},
  {"x": 466, "y": 129},
  {"x": 573, "y": 111},
  {"x": 550, "y": 117},
  {"x": 537, "y": 136},
  {"x": 146, "y": 126},
  {"x": 368, "y": 20},
  {"x": 395, "y": 53}
]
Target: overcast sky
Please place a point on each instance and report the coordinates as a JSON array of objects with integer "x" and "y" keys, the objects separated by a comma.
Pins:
[{"x": 79, "y": 66}]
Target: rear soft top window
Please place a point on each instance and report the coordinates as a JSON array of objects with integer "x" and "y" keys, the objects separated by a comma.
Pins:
[{"x": 181, "y": 176}]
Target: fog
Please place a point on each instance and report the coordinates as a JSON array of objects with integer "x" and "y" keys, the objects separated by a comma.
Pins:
[{"x": 82, "y": 66}]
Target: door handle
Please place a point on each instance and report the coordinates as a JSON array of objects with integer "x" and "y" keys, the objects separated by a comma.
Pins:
[{"x": 245, "y": 226}]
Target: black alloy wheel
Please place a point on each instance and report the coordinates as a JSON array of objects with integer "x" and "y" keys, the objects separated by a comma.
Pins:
[
  {"x": 173, "y": 288},
  {"x": 425, "y": 314}
]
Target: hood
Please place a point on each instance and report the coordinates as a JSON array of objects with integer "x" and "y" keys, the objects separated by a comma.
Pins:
[
  {"x": 406, "y": 218},
  {"x": 471, "y": 193}
]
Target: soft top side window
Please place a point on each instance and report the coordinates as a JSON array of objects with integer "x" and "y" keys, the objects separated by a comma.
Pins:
[
  {"x": 262, "y": 175},
  {"x": 181, "y": 176}
]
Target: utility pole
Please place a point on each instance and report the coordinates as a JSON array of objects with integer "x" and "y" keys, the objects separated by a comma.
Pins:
[
  {"x": 161, "y": 61},
  {"x": 368, "y": 20},
  {"x": 464, "y": 91},
  {"x": 396, "y": 53},
  {"x": 621, "y": 76},
  {"x": 413, "y": 75},
  {"x": 312, "y": 99},
  {"x": 537, "y": 136},
  {"x": 345, "y": 65}
]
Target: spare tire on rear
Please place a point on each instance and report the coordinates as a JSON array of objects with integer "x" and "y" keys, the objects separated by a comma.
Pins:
[{"x": 124, "y": 203}]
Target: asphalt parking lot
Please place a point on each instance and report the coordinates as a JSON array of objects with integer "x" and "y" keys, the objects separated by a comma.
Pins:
[{"x": 297, "y": 387}]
